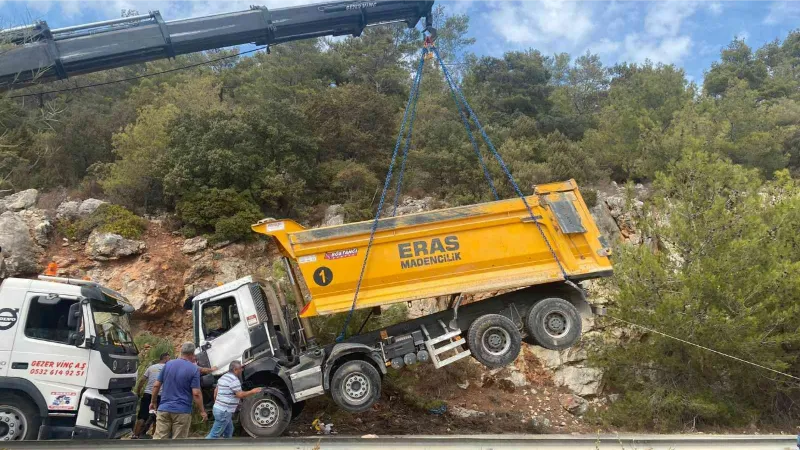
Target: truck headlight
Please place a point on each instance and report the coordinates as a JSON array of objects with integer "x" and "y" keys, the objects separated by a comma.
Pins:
[{"x": 100, "y": 409}]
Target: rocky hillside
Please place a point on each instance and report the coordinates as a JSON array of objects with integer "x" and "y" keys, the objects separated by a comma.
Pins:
[{"x": 544, "y": 389}]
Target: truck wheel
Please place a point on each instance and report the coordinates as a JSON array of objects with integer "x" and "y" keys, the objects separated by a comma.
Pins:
[
  {"x": 265, "y": 415},
  {"x": 554, "y": 323},
  {"x": 18, "y": 419},
  {"x": 494, "y": 340},
  {"x": 356, "y": 386}
]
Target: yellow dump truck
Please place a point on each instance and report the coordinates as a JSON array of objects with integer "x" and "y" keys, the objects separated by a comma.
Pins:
[
  {"x": 482, "y": 248},
  {"x": 515, "y": 259}
]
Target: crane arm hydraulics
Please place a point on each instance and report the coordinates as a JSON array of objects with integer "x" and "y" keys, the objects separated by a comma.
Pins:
[{"x": 40, "y": 54}]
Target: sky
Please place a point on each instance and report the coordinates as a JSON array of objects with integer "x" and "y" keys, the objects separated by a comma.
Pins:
[{"x": 689, "y": 34}]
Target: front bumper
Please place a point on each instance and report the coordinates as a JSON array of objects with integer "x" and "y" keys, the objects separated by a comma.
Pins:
[{"x": 113, "y": 418}]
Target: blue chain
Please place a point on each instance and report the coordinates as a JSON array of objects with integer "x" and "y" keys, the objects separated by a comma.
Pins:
[
  {"x": 415, "y": 90},
  {"x": 386, "y": 184},
  {"x": 499, "y": 159}
]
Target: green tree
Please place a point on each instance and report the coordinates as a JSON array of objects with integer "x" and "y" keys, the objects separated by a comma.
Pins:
[{"x": 725, "y": 275}]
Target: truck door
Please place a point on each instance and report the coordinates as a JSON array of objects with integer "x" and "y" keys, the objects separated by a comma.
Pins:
[
  {"x": 44, "y": 353},
  {"x": 223, "y": 335}
]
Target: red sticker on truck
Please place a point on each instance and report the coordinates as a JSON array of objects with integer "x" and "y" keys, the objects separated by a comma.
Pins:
[{"x": 339, "y": 254}]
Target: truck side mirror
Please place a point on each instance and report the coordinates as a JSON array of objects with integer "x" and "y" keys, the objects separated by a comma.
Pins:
[{"x": 75, "y": 315}]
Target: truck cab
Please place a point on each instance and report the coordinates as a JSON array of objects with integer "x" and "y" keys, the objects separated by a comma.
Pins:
[{"x": 68, "y": 363}]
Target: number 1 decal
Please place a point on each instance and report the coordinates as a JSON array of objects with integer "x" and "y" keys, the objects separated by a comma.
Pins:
[{"x": 323, "y": 276}]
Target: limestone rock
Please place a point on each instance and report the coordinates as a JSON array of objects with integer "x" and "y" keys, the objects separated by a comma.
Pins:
[
  {"x": 106, "y": 246},
  {"x": 143, "y": 286},
  {"x": 411, "y": 205},
  {"x": 334, "y": 215},
  {"x": 19, "y": 201},
  {"x": 89, "y": 206},
  {"x": 194, "y": 245},
  {"x": 583, "y": 381},
  {"x": 574, "y": 404},
  {"x": 517, "y": 378},
  {"x": 19, "y": 254},
  {"x": 464, "y": 413},
  {"x": 68, "y": 210}
]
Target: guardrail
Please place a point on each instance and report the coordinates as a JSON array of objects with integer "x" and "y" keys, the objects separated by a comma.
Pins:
[{"x": 477, "y": 442}]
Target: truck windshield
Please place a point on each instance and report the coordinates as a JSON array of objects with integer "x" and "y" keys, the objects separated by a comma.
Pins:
[{"x": 112, "y": 327}]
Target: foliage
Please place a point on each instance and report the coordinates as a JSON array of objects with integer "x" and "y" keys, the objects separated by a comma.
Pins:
[
  {"x": 224, "y": 212},
  {"x": 314, "y": 124},
  {"x": 107, "y": 218},
  {"x": 155, "y": 346},
  {"x": 328, "y": 327},
  {"x": 726, "y": 275}
]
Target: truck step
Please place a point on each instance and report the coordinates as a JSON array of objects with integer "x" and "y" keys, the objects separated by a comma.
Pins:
[
  {"x": 450, "y": 342},
  {"x": 444, "y": 337},
  {"x": 448, "y": 347},
  {"x": 451, "y": 359}
]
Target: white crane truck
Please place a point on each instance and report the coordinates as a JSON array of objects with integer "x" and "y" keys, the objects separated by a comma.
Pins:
[{"x": 68, "y": 364}]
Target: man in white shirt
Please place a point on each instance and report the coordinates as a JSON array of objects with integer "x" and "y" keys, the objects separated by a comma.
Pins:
[
  {"x": 226, "y": 400},
  {"x": 144, "y": 422}
]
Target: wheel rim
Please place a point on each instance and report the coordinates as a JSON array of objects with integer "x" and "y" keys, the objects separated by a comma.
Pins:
[
  {"x": 12, "y": 424},
  {"x": 356, "y": 388},
  {"x": 265, "y": 413},
  {"x": 496, "y": 341},
  {"x": 556, "y": 324}
]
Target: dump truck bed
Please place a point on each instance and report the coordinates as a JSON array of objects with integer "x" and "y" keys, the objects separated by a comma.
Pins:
[{"x": 476, "y": 248}]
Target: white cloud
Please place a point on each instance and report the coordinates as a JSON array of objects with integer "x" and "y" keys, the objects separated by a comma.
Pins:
[
  {"x": 670, "y": 50},
  {"x": 665, "y": 18},
  {"x": 545, "y": 23},
  {"x": 605, "y": 46},
  {"x": 743, "y": 35},
  {"x": 460, "y": 6},
  {"x": 780, "y": 12},
  {"x": 715, "y": 8}
]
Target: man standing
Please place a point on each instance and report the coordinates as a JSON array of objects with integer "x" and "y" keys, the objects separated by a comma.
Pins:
[
  {"x": 227, "y": 395},
  {"x": 149, "y": 378},
  {"x": 180, "y": 379}
]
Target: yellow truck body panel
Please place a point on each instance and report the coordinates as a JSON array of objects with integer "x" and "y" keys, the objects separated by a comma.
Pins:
[{"x": 468, "y": 249}]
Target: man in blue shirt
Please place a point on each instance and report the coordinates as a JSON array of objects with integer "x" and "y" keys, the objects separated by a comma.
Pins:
[{"x": 179, "y": 385}]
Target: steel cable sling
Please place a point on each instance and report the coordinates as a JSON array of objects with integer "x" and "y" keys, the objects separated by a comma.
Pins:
[{"x": 411, "y": 107}]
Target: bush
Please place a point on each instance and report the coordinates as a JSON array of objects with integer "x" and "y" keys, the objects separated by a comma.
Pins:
[
  {"x": 589, "y": 197},
  {"x": 223, "y": 213},
  {"x": 107, "y": 218},
  {"x": 151, "y": 347}
]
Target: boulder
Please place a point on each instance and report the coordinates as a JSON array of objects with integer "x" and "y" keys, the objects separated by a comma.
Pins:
[
  {"x": 334, "y": 215},
  {"x": 464, "y": 413},
  {"x": 574, "y": 404},
  {"x": 89, "y": 206},
  {"x": 194, "y": 245},
  {"x": 68, "y": 210},
  {"x": 19, "y": 254},
  {"x": 517, "y": 379},
  {"x": 143, "y": 285},
  {"x": 583, "y": 381},
  {"x": 19, "y": 201},
  {"x": 105, "y": 246},
  {"x": 411, "y": 205}
]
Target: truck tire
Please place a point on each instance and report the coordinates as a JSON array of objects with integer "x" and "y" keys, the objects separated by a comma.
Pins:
[
  {"x": 265, "y": 415},
  {"x": 356, "y": 386},
  {"x": 494, "y": 340},
  {"x": 554, "y": 323},
  {"x": 19, "y": 419}
]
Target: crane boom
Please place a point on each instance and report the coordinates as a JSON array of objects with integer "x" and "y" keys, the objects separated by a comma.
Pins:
[{"x": 39, "y": 53}]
